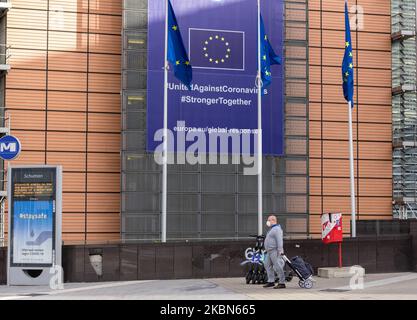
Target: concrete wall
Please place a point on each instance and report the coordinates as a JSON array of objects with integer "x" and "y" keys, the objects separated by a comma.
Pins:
[
  {"x": 3, "y": 265},
  {"x": 413, "y": 232},
  {"x": 222, "y": 259}
]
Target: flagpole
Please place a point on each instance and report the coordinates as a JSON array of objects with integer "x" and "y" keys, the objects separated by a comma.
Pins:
[
  {"x": 165, "y": 144},
  {"x": 259, "y": 136},
  {"x": 351, "y": 156},
  {"x": 352, "y": 174}
]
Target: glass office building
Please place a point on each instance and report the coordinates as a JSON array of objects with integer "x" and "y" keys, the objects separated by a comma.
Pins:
[{"x": 211, "y": 201}]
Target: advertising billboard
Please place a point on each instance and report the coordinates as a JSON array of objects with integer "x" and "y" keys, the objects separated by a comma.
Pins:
[
  {"x": 33, "y": 216},
  {"x": 221, "y": 39}
]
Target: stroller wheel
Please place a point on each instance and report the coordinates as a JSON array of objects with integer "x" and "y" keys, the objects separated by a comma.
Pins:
[
  {"x": 308, "y": 284},
  {"x": 255, "y": 274},
  {"x": 260, "y": 278},
  {"x": 301, "y": 284},
  {"x": 248, "y": 277},
  {"x": 253, "y": 279}
]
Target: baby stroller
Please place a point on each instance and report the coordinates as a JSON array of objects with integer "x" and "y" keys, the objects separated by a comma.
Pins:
[
  {"x": 257, "y": 272},
  {"x": 302, "y": 269}
]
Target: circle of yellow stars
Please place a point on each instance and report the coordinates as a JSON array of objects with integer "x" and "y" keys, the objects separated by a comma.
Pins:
[{"x": 217, "y": 60}]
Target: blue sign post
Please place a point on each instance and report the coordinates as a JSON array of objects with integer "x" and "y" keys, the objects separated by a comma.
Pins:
[{"x": 10, "y": 147}]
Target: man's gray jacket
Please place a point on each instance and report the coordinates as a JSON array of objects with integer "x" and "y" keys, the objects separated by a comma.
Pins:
[{"x": 274, "y": 240}]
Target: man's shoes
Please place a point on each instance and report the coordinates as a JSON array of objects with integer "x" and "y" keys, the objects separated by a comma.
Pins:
[
  {"x": 269, "y": 285},
  {"x": 280, "y": 286}
]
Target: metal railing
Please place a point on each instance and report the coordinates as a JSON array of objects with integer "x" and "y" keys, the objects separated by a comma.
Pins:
[
  {"x": 404, "y": 110},
  {"x": 5, "y": 123},
  {"x": 3, "y": 199},
  {"x": 2, "y": 221},
  {"x": 403, "y": 20},
  {"x": 7, "y": 2},
  {"x": 5, "y": 54},
  {"x": 382, "y": 228}
]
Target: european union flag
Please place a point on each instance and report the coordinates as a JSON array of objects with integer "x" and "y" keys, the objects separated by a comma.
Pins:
[
  {"x": 268, "y": 58},
  {"x": 347, "y": 66},
  {"x": 177, "y": 55},
  {"x": 217, "y": 49}
]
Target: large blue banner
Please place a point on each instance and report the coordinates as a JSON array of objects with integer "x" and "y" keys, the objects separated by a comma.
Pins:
[{"x": 221, "y": 38}]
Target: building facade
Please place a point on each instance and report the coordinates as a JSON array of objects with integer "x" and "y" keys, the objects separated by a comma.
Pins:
[
  {"x": 63, "y": 99},
  {"x": 76, "y": 96},
  {"x": 329, "y": 166}
]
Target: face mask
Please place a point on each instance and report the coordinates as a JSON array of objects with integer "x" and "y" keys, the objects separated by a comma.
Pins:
[{"x": 268, "y": 224}]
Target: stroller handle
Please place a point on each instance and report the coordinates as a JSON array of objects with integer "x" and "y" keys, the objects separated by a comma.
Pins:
[{"x": 285, "y": 258}]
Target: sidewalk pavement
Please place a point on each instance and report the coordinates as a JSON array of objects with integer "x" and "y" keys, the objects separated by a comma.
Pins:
[{"x": 400, "y": 286}]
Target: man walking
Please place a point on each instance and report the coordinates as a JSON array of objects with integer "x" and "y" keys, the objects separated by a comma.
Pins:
[{"x": 274, "y": 246}]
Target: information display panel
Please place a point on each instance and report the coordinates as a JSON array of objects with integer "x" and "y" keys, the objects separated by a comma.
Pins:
[{"x": 32, "y": 216}]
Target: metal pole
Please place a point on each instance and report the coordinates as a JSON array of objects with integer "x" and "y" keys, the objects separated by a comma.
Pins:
[
  {"x": 2, "y": 220},
  {"x": 165, "y": 144},
  {"x": 352, "y": 175},
  {"x": 259, "y": 136},
  {"x": 340, "y": 255}
]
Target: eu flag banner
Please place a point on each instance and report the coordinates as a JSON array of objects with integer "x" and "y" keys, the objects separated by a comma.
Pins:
[
  {"x": 177, "y": 55},
  {"x": 222, "y": 40},
  {"x": 347, "y": 65},
  {"x": 348, "y": 91},
  {"x": 217, "y": 49},
  {"x": 268, "y": 58}
]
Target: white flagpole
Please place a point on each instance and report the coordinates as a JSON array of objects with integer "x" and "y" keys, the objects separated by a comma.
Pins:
[
  {"x": 352, "y": 175},
  {"x": 259, "y": 136},
  {"x": 165, "y": 144}
]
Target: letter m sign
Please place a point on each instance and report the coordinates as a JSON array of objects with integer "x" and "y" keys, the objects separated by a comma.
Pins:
[{"x": 11, "y": 147}]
